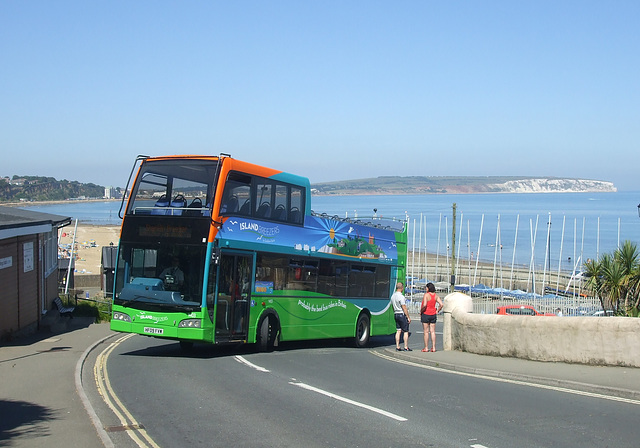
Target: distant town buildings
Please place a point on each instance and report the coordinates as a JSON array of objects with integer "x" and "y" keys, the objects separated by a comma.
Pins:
[
  {"x": 112, "y": 193},
  {"x": 17, "y": 182}
]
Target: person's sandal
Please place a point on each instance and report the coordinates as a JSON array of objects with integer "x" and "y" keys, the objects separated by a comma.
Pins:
[
  {"x": 408, "y": 349},
  {"x": 424, "y": 350}
]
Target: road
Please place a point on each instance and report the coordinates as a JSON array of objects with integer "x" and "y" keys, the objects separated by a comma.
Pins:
[{"x": 327, "y": 393}]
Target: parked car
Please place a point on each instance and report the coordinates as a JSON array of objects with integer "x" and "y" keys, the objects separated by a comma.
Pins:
[
  {"x": 520, "y": 310},
  {"x": 602, "y": 313}
]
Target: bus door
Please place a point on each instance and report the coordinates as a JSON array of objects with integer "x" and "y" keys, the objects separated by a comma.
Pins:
[{"x": 234, "y": 296}]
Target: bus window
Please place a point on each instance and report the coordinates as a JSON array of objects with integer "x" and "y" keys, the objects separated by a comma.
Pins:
[
  {"x": 175, "y": 189},
  {"x": 272, "y": 269},
  {"x": 361, "y": 281},
  {"x": 383, "y": 281},
  {"x": 280, "y": 202},
  {"x": 264, "y": 200},
  {"x": 297, "y": 205},
  {"x": 302, "y": 275},
  {"x": 170, "y": 269},
  {"x": 143, "y": 262},
  {"x": 332, "y": 278},
  {"x": 236, "y": 198}
]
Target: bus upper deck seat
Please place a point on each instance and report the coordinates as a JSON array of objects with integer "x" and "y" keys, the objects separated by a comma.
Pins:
[
  {"x": 245, "y": 209},
  {"x": 161, "y": 205},
  {"x": 178, "y": 202},
  {"x": 295, "y": 215},
  {"x": 264, "y": 211},
  {"x": 195, "y": 208},
  {"x": 230, "y": 206},
  {"x": 280, "y": 213}
]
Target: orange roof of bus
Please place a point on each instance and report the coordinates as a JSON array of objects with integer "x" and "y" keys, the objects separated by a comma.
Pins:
[{"x": 229, "y": 164}]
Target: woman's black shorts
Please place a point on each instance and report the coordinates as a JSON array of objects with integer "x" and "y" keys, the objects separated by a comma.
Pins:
[{"x": 428, "y": 319}]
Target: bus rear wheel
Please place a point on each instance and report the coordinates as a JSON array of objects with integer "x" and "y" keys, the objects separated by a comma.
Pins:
[
  {"x": 269, "y": 334},
  {"x": 363, "y": 332}
]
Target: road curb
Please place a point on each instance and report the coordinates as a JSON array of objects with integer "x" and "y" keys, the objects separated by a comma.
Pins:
[
  {"x": 97, "y": 424},
  {"x": 516, "y": 376}
]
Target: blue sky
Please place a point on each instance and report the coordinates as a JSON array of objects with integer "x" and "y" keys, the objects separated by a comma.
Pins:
[{"x": 330, "y": 90}]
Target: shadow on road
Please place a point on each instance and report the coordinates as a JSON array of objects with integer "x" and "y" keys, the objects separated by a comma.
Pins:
[{"x": 207, "y": 351}]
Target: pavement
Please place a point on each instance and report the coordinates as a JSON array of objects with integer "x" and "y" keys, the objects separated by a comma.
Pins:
[{"x": 43, "y": 403}]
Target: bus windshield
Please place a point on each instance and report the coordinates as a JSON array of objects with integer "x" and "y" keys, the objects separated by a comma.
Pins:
[
  {"x": 161, "y": 276},
  {"x": 174, "y": 187}
]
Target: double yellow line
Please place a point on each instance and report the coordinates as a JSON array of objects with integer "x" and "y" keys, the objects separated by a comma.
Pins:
[{"x": 128, "y": 423}]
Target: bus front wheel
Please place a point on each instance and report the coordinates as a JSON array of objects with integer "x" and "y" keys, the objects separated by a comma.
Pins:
[
  {"x": 269, "y": 335},
  {"x": 363, "y": 330}
]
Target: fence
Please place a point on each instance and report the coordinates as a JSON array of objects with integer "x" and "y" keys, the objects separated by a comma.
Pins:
[
  {"x": 73, "y": 296},
  {"x": 492, "y": 286}
]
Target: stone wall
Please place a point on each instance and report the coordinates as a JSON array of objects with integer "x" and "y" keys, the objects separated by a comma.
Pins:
[
  {"x": 87, "y": 281},
  {"x": 611, "y": 341}
]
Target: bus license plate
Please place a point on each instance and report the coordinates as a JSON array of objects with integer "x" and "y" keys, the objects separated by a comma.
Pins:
[{"x": 153, "y": 330}]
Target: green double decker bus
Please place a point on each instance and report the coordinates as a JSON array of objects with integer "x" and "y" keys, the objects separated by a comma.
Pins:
[{"x": 220, "y": 251}]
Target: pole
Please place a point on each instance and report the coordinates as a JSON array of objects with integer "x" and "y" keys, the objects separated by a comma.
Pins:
[
  {"x": 453, "y": 249},
  {"x": 426, "y": 260},
  {"x": 438, "y": 248},
  {"x": 71, "y": 257},
  {"x": 413, "y": 259},
  {"x": 459, "y": 243},
  {"x": 475, "y": 272},
  {"x": 513, "y": 256},
  {"x": 547, "y": 254}
]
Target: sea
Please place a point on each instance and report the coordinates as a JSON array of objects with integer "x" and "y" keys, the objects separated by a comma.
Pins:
[{"x": 556, "y": 230}]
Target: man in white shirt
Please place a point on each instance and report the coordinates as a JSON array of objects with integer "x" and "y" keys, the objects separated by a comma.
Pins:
[{"x": 401, "y": 315}]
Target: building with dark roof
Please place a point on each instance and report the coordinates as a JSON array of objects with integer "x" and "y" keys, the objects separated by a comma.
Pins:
[{"x": 28, "y": 268}]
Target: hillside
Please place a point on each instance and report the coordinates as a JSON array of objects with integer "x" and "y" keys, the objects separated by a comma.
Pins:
[
  {"x": 461, "y": 185},
  {"x": 38, "y": 188}
]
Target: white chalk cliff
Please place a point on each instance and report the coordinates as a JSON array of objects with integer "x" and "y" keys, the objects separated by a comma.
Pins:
[{"x": 543, "y": 185}]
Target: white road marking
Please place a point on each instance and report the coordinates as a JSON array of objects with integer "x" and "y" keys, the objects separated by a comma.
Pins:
[
  {"x": 505, "y": 380},
  {"x": 240, "y": 359},
  {"x": 347, "y": 400},
  {"x": 326, "y": 393}
]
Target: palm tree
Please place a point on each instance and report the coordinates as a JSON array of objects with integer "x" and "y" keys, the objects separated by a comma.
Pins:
[
  {"x": 615, "y": 279},
  {"x": 629, "y": 257},
  {"x": 634, "y": 292},
  {"x": 593, "y": 273}
]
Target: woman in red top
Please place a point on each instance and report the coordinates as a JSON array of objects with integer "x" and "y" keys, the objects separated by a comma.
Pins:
[{"x": 428, "y": 313}]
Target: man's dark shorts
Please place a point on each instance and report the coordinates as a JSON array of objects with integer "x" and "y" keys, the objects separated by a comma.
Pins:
[{"x": 402, "y": 323}]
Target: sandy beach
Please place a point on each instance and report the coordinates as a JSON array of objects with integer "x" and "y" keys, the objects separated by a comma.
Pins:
[{"x": 89, "y": 242}]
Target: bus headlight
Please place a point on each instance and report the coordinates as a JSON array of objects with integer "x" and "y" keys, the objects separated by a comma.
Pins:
[
  {"x": 121, "y": 316},
  {"x": 190, "y": 323}
]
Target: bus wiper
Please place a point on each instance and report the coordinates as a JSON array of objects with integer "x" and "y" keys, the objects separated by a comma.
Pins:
[
  {"x": 133, "y": 299},
  {"x": 140, "y": 296}
]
